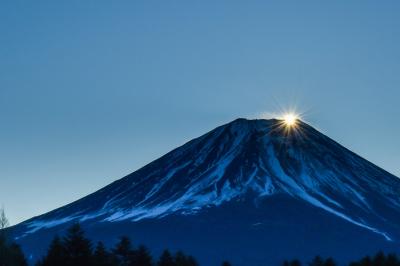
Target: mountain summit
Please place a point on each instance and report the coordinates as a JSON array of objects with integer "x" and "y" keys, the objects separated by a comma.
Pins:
[{"x": 253, "y": 191}]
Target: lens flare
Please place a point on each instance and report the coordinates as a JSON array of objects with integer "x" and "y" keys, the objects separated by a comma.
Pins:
[{"x": 290, "y": 119}]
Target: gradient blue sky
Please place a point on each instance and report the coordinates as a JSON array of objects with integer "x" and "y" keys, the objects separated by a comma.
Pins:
[{"x": 92, "y": 90}]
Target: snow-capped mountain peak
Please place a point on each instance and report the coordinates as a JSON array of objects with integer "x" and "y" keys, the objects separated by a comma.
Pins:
[{"x": 242, "y": 160}]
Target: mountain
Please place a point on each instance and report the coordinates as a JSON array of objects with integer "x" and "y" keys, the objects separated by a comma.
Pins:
[{"x": 254, "y": 192}]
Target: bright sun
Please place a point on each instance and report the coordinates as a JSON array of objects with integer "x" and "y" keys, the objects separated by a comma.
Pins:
[{"x": 290, "y": 119}]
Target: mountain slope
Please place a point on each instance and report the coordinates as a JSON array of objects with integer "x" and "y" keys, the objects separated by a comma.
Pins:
[{"x": 248, "y": 166}]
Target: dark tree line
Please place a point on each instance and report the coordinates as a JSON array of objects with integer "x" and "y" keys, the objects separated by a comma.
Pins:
[
  {"x": 10, "y": 252},
  {"x": 74, "y": 249},
  {"x": 380, "y": 259},
  {"x": 317, "y": 261}
]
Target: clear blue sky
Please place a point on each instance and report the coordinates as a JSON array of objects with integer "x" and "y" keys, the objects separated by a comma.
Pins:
[{"x": 92, "y": 90}]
